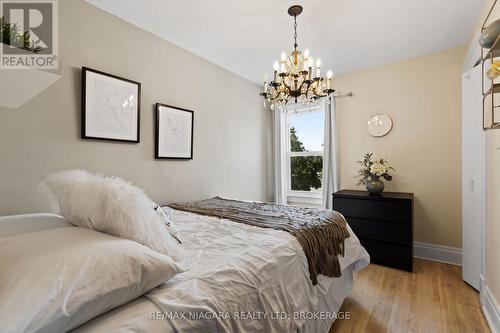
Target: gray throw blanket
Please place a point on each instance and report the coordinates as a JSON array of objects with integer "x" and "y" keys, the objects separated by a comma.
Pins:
[{"x": 320, "y": 232}]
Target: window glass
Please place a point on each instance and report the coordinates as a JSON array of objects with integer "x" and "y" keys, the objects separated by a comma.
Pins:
[
  {"x": 306, "y": 131},
  {"x": 306, "y": 136}
]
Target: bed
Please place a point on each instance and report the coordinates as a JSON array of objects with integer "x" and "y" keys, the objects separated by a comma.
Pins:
[{"x": 237, "y": 278}]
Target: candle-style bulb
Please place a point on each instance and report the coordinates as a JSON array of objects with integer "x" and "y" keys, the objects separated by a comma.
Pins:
[
  {"x": 306, "y": 53},
  {"x": 283, "y": 56},
  {"x": 311, "y": 62},
  {"x": 329, "y": 76},
  {"x": 276, "y": 65}
]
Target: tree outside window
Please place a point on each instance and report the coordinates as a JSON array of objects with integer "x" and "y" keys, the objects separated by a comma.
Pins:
[{"x": 305, "y": 154}]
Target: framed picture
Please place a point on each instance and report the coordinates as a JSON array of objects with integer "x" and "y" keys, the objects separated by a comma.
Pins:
[
  {"x": 174, "y": 132},
  {"x": 110, "y": 107}
]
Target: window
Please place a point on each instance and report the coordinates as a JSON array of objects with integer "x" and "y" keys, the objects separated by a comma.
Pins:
[{"x": 305, "y": 153}]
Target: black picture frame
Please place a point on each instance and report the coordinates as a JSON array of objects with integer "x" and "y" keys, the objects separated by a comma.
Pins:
[
  {"x": 158, "y": 128},
  {"x": 84, "y": 110}
]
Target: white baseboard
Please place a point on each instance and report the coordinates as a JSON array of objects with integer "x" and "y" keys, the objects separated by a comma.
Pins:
[
  {"x": 490, "y": 306},
  {"x": 439, "y": 253}
]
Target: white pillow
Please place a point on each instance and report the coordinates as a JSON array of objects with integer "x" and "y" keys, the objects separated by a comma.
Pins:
[
  {"x": 113, "y": 206},
  {"x": 55, "y": 280}
]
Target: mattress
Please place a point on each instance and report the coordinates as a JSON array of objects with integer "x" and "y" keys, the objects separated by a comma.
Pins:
[{"x": 238, "y": 278}]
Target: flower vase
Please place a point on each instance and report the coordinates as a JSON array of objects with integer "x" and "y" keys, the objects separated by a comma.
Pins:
[{"x": 375, "y": 185}]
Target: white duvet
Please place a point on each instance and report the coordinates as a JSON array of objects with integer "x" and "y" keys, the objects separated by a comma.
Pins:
[{"x": 242, "y": 278}]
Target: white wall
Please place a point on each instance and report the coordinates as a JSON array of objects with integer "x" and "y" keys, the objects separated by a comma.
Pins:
[{"x": 231, "y": 133}]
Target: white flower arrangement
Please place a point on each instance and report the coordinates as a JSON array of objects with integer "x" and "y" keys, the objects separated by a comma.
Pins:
[
  {"x": 372, "y": 169},
  {"x": 378, "y": 169}
]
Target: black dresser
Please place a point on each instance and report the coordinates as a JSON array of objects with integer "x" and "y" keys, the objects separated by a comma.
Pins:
[{"x": 383, "y": 224}]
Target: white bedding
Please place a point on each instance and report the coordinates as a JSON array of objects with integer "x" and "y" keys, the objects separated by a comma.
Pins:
[
  {"x": 57, "y": 279},
  {"x": 235, "y": 271}
]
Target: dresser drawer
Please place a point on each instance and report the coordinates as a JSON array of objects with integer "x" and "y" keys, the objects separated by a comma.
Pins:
[
  {"x": 389, "y": 211},
  {"x": 391, "y": 255},
  {"x": 381, "y": 231}
]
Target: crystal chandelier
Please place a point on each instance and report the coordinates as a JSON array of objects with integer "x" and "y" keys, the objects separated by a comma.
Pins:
[{"x": 296, "y": 79}]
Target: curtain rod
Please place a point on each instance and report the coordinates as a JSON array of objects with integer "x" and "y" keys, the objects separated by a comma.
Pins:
[{"x": 349, "y": 94}]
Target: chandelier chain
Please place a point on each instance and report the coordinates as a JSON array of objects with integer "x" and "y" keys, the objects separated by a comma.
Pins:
[{"x": 295, "y": 34}]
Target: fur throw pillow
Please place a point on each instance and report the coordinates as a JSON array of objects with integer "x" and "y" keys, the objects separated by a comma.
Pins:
[{"x": 113, "y": 206}]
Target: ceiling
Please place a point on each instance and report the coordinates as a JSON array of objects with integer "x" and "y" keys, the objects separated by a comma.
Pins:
[{"x": 246, "y": 37}]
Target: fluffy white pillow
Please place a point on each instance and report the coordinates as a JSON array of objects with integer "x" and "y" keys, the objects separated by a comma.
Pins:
[
  {"x": 55, "y": 280},
  {"x": 113, "y": 206}
]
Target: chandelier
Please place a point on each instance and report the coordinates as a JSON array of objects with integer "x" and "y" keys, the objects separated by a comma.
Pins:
[{"x": 296, "y": 79}]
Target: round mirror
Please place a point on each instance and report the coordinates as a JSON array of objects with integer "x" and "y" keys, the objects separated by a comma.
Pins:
[{"x": 379, "y": 125}]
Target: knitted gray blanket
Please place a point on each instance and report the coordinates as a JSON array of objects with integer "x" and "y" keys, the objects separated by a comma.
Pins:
[{"x": 320, "y": 232}]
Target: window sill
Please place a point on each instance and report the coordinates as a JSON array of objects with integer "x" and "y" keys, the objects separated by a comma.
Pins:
[{"x": 306, "y": 199}]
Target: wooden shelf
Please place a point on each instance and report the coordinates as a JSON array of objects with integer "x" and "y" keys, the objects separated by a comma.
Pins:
[{"x": 495, "y": 88}]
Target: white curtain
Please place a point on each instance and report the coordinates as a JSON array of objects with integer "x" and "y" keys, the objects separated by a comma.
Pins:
[
  {"x": 330, "y": 155},
  {"x": 279, "y": 157}
]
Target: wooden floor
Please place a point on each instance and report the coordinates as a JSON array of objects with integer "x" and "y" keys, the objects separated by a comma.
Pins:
[{"x": 433, "y": 299}]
